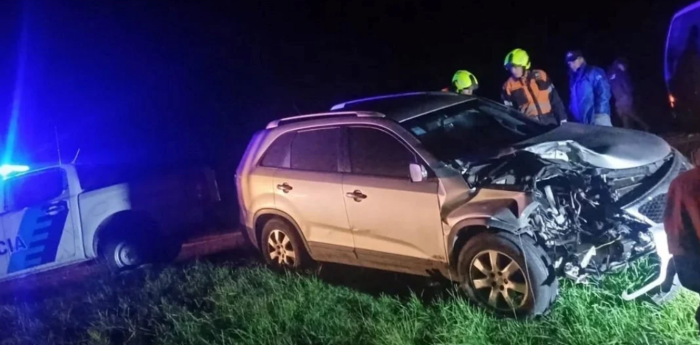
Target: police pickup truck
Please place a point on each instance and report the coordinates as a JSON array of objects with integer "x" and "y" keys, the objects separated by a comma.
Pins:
[{"x": 68, "y": 214}]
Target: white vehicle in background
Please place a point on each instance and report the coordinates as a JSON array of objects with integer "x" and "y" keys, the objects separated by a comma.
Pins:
[
  {"x": 682, "y": 75},
  {"x": 69, "y": 214},
  {"x": 682, "y": 38}
]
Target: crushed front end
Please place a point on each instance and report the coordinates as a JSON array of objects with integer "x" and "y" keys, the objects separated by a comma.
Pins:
[{"x": 592, "y": 220}]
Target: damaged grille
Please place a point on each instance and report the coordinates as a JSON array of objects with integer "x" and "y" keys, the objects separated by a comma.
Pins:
[{"x": 654, "y": 209}]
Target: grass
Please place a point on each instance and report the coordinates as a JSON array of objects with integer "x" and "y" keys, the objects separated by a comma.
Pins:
[{"x": 204, "y": 303}]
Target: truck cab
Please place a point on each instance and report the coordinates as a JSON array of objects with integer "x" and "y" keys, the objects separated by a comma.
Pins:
[
  {"x": 38, "y": 221},
  {"x": 68, "y": 214}
]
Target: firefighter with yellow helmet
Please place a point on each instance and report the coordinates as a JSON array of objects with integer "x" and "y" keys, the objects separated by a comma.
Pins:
[
  {"x": 463, "y": 82},
  {"x": 531, "y": 91}
]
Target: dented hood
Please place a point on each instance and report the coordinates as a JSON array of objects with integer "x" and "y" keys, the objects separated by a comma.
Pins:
[{"x": 604, "y": 147}]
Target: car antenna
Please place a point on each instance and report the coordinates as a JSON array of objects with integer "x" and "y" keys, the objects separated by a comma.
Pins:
[
  {"x": 75, "y": 159},
  {"x": 294, "y": 105},
  {"x": 58, "y": 145}
]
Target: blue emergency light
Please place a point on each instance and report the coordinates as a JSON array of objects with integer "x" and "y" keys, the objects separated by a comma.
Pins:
[{"x": 8, "y": 169}]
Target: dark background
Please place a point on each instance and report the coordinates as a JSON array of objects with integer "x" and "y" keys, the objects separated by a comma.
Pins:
[{"x": 149, "y": 82}]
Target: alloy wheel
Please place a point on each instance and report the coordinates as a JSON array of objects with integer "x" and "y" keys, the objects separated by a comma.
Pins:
[
  {"x": 498, "y": 280},
  {"x": 281, "y": 249}
]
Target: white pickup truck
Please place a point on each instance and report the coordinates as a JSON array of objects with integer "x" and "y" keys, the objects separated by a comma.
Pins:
[{"x": 69, "y": 214}]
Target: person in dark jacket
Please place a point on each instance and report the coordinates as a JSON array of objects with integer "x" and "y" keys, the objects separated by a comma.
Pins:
[
  {"x": 622, "y": 90},
  {"x": 590, "y": 91},
  {"x": 682, "y": 225}
]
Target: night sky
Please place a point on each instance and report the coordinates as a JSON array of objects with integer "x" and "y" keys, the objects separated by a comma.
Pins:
[{"x": 189, "y": 81}]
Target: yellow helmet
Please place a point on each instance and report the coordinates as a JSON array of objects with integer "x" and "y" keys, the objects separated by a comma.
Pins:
[
  {"x": 464, "y": 80},
  {"x": 517, "y": 57}
]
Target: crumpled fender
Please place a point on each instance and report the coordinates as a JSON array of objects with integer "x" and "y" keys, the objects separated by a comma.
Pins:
[{"x": 491, "y": 208}]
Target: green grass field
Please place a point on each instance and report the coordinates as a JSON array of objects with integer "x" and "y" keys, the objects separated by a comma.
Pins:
[{"x": 204, "y": 303}]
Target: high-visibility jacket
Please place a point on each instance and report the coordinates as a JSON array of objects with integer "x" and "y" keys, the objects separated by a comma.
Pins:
[
  {"x": 534, "y": 95},
  {"x": 682, "y": 215}
]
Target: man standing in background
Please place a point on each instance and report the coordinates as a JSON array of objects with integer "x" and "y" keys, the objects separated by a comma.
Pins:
[
  {"x": 590, "y": 91},
  {"x": 622, "y": 90}
]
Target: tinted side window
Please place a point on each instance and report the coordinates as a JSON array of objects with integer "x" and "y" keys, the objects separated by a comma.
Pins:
[
  {"x": 34, "y": 189},
  {"x": 316, "y": 150},
  {"x": 277, "y": 155},
  {"x": 373, "y": 152}
]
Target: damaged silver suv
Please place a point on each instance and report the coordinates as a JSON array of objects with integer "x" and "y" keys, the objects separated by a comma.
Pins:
[{"x": 428, "y": 183}]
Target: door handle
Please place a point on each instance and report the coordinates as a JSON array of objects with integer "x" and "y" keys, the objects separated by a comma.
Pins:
[
  {"x": 285, "y": 188},
  {"x": 55, "y": 208},
  {"x": 356, "y": 195}
]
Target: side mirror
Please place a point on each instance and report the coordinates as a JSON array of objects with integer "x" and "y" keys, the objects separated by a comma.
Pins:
[{"x": 418, "y": 172}]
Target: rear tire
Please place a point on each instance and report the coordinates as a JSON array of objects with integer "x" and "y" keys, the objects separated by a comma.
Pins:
[
  {"x": 508, "y": 274},
  {"x": 123, "y": 254},
  {"x": 131, "y": 240},
  {"x": 282, "y": 247}
]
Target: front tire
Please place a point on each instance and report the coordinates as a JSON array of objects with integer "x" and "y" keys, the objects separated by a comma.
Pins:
[
  {"x": 282, "y": 247},
  {"x": 508, "y": 274}
]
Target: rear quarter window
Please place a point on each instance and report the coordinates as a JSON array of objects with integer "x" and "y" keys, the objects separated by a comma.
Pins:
[{"x": 278, "y": 154}]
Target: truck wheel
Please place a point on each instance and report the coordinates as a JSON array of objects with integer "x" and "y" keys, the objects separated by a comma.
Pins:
[
  {"x": 282, "y": 247},
  {"x": 123, "y": 254},
  {"x": 508, "y": 274}
]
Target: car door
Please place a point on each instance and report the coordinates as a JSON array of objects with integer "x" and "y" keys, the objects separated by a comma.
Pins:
[
  {"x": 39, "y": 232},
  {"x": 395, "y": 222},
  {"x": 309, "y": 188}
]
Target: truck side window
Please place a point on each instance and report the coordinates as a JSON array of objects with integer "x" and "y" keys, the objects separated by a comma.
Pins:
[
  {"x": 374, "y": 152},
  {"x": 316, "y": 150},
  {"x": 33, "y": 189},
  {"x": 277, "y": 155}
]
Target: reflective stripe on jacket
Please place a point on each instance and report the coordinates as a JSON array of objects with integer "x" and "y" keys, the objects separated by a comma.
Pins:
[{"x": 534, "y": 95}]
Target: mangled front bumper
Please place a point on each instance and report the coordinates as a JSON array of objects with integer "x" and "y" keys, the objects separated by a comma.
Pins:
[
  {"x": 661, "y": 243},
  {"x": 650, "y": 209}
]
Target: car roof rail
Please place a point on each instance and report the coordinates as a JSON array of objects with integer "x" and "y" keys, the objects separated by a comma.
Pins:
[{"x": 277, "y": 123}]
